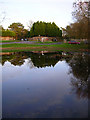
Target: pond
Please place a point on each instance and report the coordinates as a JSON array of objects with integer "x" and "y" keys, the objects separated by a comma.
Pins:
[{"x": 45, "y": 84}]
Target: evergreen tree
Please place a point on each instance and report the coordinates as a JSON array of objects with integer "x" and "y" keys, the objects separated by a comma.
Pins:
[
  {"x": 8, "y": 33},
  {"x": 18, "y": 28},
  {"x": 45, "y": 29}
]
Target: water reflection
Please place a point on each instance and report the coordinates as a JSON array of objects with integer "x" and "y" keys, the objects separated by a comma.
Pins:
[
  {"x": 38, "y": 59},
  {"x": 80, "y": 69},
  {"x": 16, "y": 58},
  {"x": 45, "y": 85}
]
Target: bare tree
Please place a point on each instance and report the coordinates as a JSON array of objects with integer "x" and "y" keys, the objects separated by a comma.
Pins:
[
  {"x": 30, "y": 24},
  {"x": 81, "y": 17},
  {"x": 2, "y": 17},
  {"x": 80, "y": 10}
]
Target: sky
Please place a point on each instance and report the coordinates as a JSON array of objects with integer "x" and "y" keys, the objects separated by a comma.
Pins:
[{"x": 58, "y": 11}]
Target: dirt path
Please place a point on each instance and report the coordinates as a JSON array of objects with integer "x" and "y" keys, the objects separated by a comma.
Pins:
[{"x": 42, "y": 48}]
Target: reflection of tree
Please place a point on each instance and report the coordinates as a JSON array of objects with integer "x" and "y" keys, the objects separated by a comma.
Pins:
[
  {"x": 80, "y": 70},
  {"x": 77, "y": 61},
  {"x": 16, "y": 58},
  {"x": 79, "y": 65},
  {"x": 36, "y": 59},
  {"x": 80, "y": 87},
  {"x": 47, "y": 59},
  {"x": 6, "y": 58}
]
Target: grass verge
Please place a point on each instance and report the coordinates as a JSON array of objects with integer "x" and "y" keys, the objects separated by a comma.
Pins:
[
  {"x": 5, "y": 41},
  {"x": 43, "y": 47}
]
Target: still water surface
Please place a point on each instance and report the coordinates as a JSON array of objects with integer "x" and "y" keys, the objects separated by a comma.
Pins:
[{"x": 45, "y": 85}]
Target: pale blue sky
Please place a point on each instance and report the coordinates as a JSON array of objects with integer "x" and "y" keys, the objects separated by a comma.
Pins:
[{"x": 58, "y": 11}]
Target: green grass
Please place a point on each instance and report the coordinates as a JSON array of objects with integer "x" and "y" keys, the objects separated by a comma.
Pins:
[
  {"x": 5, "y": 41},
  {"x": 64, "y": 45},
  {"x": 71, "y": 46},
  {"x": 36, "y": 47},
  {"x": 18, "y": 45},
  {"x": 36, "y": 44}
]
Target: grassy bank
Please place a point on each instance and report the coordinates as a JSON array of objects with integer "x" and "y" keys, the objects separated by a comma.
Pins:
[
  {"x": 5, "y": 41},
  {"x": 43, "y": 47}
]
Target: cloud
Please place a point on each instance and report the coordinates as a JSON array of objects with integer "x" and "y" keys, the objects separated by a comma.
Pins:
[{"x": 58, "y": 11}]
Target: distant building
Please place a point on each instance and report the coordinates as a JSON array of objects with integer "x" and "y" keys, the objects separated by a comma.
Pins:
[
  {"x": 41, "y": 38},
  {"x": 44, "y": 39},
  {"x": 64, "y": 33},
  {"x": 6, "y": 38}
]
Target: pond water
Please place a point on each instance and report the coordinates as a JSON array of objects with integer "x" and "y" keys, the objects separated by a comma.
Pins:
[{"x": 45, "y": 85}]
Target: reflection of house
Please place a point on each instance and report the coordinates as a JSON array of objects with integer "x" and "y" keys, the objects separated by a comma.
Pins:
[{"x": 6, "y": 38}]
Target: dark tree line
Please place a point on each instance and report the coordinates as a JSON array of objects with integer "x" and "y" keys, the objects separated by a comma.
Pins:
[
  {"x": 19, "y": 30},
  {"x": 38, "y": 28},
  {"x": 6, "y": 32},
  {"x": 79, "y": 29},
  {"x": 45, "y": 29},
  {"x": 15, "y": 30}
]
